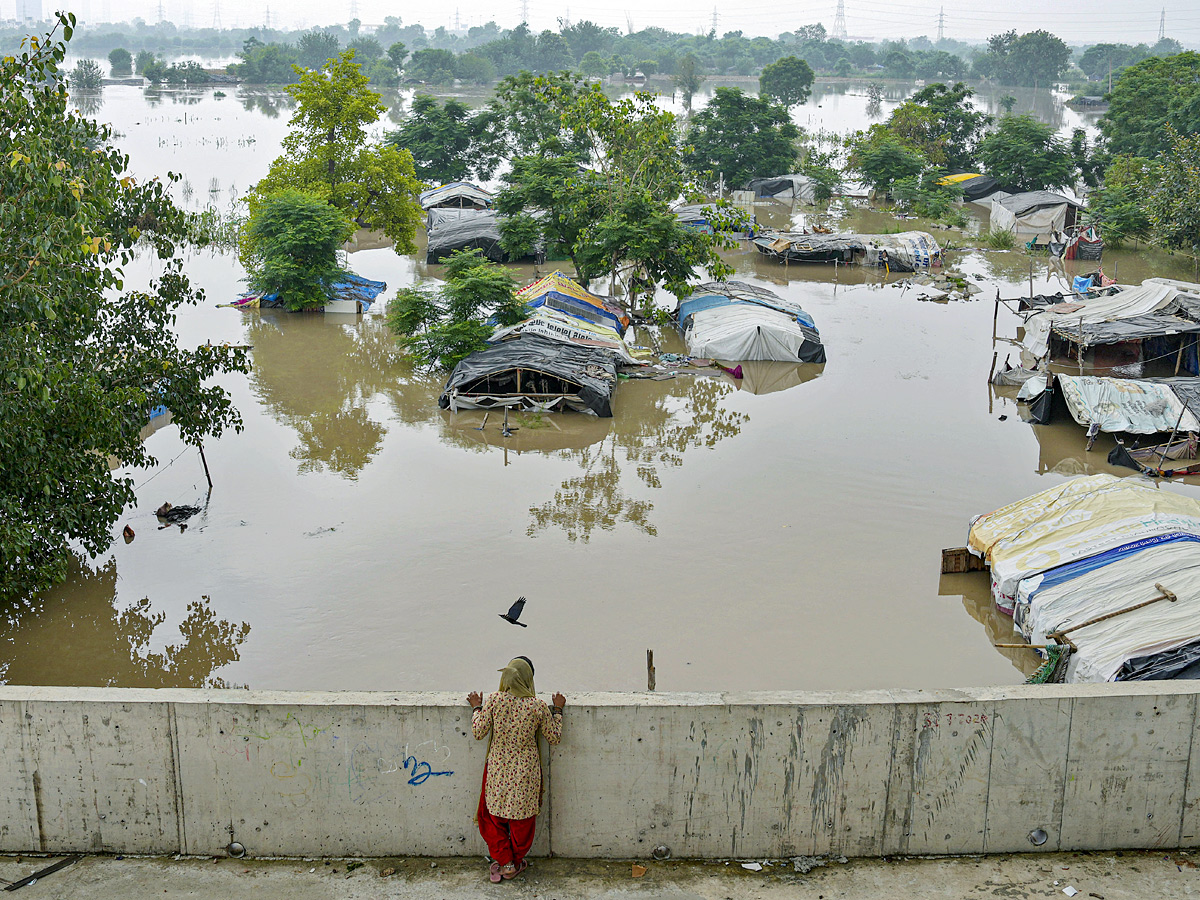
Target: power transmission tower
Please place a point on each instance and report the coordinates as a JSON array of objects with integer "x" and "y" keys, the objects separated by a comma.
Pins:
[
  {"x": 217, "y": 14},
  {"x": 714, "y": 20},
  {"x": 161, "y": 13},
  {"x": 353, "y": 10},
  {"x": 941, "y": 24},
  {"x": 629, "y": 21},
  {"x": 267, "y": 20},
  {"x": 524, "y": 12},
  {"x": 1162, "y": 24},
  {"x": 839, "y": 22}
]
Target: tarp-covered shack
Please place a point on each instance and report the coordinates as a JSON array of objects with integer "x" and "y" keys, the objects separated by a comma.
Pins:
[
  {"x": 784, "y": 188},
  {"x": 736, "y": 321},
  {"x": 974, "y": 186},
  {"x": 1033, "y": 213},
  {"x": 457, "y": 195},
  {"x": 907, "y": 251},
  {"x": 1082, "y": 566},
  {"x": 453, "y": 229},
  {"x": 534, "y": 373}
]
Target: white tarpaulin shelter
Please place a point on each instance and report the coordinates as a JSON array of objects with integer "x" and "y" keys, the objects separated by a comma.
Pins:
[
  {"x": 1120, "y": 404},
  {"x": 746, "y": 331},
  {"x": 1115, "y": 581},
  {"x": 1071, "y": 521},
  {"x": 1031, "y": 213},
  {"x": 1124, "y": 304}
]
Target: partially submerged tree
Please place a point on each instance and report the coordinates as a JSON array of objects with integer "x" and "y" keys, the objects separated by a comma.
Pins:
[
  {"x": 85, "y": 358},
  {"x": 788, "y": 81},
  {"x": 688, "y": 78},
  {"x": 439, "y": 137},
  {"x": 1024, "y": 154},
  {"x": 882, "y": 159},
  {"x": 940, "y": 123},
  {"x": 120, "y": 62},
  {"x": 86, "y": 76},
  {"x": 289, "y": 246},
  {"x": 741, "y": 137},
  {"x": 1151, "y": 95},
  {"x": 327, "y": 154},
  {"x": 439, "y": 328}
]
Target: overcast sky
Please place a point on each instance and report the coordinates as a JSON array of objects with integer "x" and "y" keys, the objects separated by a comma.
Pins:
[{"x": 1073, "y": 20}]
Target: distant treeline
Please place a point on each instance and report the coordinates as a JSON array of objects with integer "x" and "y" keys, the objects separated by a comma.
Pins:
[{"x": 395, "y": 53}]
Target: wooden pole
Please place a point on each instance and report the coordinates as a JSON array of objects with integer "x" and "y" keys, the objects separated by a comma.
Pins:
[
  {"x": 1031, "y": 279},
  {"x": 205, "y": 461},
  {"x": 650, "y": 681},
  {"x": 995, "y": 316},
  {"x": 1167, "y": 446}
]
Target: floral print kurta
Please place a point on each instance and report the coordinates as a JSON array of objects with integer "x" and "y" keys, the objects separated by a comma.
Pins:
[{"x": 514, "y": 772}]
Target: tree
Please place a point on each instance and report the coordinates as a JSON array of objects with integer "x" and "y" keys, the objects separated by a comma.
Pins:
[
  {"x": 688, "y": 78},
  {"x": 1173, "y": 211},
  {"x": 85, "y": 357},
  {"x": 86, "y": 76},
  {"x": 788, "y": 80},
  {"x": 1035, "y": 59},
  {"x": 1151, "y": 95},
  {"x": 366, "y": 48},
  {"x": 120, "y": 62},
  {"x": 143, "y": 59},
  {"x": 289, "y": 246},
  {"x": 431, "y": 66},
  {"x": 326, "y": 153},
  {"x": 843, "y": 67},
  {"x": 882, "y": 159},
  {"x": 397, "y": 53},
  {"x": 740, "y": 137},
  {"x": 1024, "y": 154},
  {"x": 1101, "y": 60},
  {"x": 439, "y": 137},
  {"x": 475, "y": 69},
  {"x": 315, "y": 47},
  {"x": 593, "y": 64},
  {"x": 941, "y": 123},
  {"x": 1120, "y": 205},
  {"x": 440, "y": 329}
]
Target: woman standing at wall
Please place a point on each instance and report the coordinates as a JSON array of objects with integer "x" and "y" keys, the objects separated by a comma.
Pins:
[{"x": 511, "y": 797}]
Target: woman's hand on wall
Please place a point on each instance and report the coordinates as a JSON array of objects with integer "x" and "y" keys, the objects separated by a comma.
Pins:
[
  {"x": 475, "y": 699},
  {"x": 559, "y": 700}
]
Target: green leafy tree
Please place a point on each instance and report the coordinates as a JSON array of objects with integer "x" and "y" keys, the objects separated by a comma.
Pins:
[
  {"x": 882, "y": 159},
  {"x": 366, "y": 49},
  {"x": 264, "y": 63},
  {"x": 441, "y": 328},
  {"x": 525, "y": 117},
  {"x": 788, "y": 81},
  {"x": 1173, "y": 211},
  {"x": 688, "y": 78},
  {"x": 315, "y": 47},
  {"x": 843, "y": 67},
  {"x": 1100, "y": 61},
  {"x": 120, "y": 62},
  {"x": 942, "y": 124},
  {"x": 85, "y": 357},
  {"x": 289, "y": 246},
  {"x": 1035, "y": 59},
  {"x": 143, "y": 59},
  {"x": 431, "y": 66},
  {"x": 86, "y": 76},
  {"x": 1024, "y": 154},
  {"x": 475, "y": 69},
  {"x": 1119, "y": 207},
  {"x": 593, "y": 64},
  {"x": 1151, "y": 95},
  {"x": 741, "y": 137},
  {"x": 327, "y": 154},
  {"x": 439, "y": 137},
  {"x": 397, "y": 53}
]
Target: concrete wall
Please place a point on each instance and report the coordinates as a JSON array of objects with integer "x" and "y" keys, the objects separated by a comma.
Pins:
[{"x": 708, "y": 775}]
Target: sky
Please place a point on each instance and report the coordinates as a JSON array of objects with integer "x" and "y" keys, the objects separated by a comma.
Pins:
[{"x": 1074, "y": 21}]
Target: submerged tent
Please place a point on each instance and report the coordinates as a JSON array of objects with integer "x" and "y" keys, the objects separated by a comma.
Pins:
[
  {"x": 458, "y": 195},
  {"x": 451, "y": 230},
  {"x": 1116, "y": 305},
  {"x": 786, "y": 188},
  {"x": 1072, "y": 521},
  {"x": 557, "y": 291},
  {"x": 556, "y": 325},
  {"x": 1033, "y": 213},
  {"x": 907, "y": 251},
  {"x": 1124, "y": 405},
  {"x": 349, "y": 294},
  {"x": 736, "y": 321},
  {"x": 534, "y": 373},
  {"x": 974, "y": 186}
]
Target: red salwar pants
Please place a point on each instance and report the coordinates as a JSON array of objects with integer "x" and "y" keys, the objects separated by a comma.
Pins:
[{"x": 508, "y": 840}]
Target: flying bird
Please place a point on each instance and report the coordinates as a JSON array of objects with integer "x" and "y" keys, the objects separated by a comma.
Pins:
[{"x": 514, "y": 613}]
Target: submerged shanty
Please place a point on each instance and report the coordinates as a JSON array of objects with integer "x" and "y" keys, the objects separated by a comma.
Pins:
[
  {"x": 908, "y": 251},
  {"x": 1101, "y": 575},
  {"x": 349, "y": 294},
  {"x": 736, "y": 321}
]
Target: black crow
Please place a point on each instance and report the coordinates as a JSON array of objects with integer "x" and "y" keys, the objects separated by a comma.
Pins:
[{"x": 514, "y": 613}]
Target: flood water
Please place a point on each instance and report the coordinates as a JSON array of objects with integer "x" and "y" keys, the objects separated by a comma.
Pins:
[{"x": 780, "y": 533}]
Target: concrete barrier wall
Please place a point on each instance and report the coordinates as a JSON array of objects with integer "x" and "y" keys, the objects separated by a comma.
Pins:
[{"x": 708, "y": 775}]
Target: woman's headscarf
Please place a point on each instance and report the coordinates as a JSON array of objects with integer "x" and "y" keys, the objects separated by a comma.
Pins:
[{"x": 517, "y": 677}]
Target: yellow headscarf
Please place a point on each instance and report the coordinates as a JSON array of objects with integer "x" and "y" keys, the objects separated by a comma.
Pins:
[{"x": 517, "y": 678}]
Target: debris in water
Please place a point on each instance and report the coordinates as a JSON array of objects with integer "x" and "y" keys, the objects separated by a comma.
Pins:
[
  {"x": 753, "y": 867},
  {"x": 176, "y": 514},
  {"x": 128, "y": 534},
  {"x": 805, "y": 864},
  {"x": 638, "y": 871}
]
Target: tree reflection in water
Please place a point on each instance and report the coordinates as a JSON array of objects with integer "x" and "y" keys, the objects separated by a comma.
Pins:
[
  {"x": 94, "y": 644},
  {"x": 317, "y": 376},
  {"x": 655, "y": 427}
]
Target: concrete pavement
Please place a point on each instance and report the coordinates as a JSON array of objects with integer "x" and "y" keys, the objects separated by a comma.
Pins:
[{"x": 1119, "y": 875}]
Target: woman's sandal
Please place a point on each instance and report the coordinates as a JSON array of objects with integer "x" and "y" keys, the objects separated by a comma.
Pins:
[
  {"x": 494, "y": 873},
  {"x": 517, "y": 870}
]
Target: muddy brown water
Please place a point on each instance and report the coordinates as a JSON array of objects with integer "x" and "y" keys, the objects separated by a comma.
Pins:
[{"x": 781, "y": 533}]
